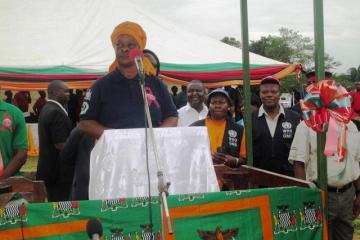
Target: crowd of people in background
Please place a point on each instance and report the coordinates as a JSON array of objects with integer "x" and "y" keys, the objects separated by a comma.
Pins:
[
  {"x": 31, "y": 112},
  {"x": 22, "y": 99}
]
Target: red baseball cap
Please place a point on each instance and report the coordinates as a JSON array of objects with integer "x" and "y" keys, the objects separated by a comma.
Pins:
[{"x": 270, "y": 80}]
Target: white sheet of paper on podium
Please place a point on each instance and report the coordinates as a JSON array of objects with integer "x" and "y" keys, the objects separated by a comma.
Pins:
[{"x": 118, "y": 163}]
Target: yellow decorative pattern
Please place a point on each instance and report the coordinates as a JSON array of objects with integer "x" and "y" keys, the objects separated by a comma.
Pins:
[{"x": 33, "y": 149}]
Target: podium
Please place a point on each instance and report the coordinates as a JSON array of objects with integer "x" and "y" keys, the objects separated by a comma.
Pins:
[
  {"x": 268, "y": 213},
  {"x": 118, "y": 166}
]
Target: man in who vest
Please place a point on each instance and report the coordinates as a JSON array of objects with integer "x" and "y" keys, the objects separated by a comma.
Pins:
[{"x": 273, "y": 130}]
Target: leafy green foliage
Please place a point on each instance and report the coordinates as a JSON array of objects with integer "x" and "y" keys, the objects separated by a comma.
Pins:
[
  {"x": 289, "y": 47},
  {"x": 231, "y": 41},
  {"x": 343, "y": 79},
  {"x": 271, "y": 47},
  {"x": 291, "y": 82},
  {"x": 292, "y": 47},
  {"x": 354, "y": 74}
]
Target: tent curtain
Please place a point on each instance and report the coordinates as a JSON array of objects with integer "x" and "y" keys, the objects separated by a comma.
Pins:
[{"x": 213, "y": 75}]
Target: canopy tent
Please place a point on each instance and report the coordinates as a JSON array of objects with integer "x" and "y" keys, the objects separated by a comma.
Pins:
[{"x": 70, "y": 40}]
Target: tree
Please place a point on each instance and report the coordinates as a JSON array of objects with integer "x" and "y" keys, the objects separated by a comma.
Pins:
[
  {"x": 231, "y": 41},
  {"x": 343, "y": 79},
  {"x": 301, "y": 48},
  {"x": 289, "y": 47},
  {"x": 330, "y": 62},
  {"x": 271, "y": 47},
  {"x": 354, "y": 74}
]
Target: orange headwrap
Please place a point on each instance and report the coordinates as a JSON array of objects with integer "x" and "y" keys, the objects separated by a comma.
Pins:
[{"x": 134, "y": 30}]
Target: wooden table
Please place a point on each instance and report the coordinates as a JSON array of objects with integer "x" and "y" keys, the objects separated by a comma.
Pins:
[
  {"x": 246, "y": 177},
  {"x": 31, "y": 190}
]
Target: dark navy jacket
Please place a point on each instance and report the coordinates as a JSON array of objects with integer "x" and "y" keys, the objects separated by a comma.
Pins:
[
  {"x": 116, "y": 102},
  {"x": 271, "y": 153}
]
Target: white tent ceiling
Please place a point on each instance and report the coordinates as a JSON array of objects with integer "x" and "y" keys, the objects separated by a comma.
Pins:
[{"x": 47, "y": 33}]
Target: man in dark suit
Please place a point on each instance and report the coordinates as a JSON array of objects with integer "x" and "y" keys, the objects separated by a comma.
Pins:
[
  {"x": 54, "y": 128},
  {"x": 273, "y": 130}
]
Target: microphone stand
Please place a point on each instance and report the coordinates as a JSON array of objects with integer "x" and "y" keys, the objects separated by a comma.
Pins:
[{"x": 162, "y": 187}]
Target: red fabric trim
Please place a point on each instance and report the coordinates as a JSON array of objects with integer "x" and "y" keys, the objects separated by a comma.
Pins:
[
  {"x": 224, "y": 75},
  {"x": 46, "y": 77},
  {"x": 34, "y": 86}
]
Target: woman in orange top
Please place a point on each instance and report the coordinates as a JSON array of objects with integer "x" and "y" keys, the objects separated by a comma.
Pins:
[{"x": 224, "y": 134}]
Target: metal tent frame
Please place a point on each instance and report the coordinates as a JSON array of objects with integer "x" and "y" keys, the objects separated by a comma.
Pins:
[{"x": 320, "y": 74}]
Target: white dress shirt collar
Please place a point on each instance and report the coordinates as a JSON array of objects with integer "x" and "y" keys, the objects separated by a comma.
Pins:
[{"x": 59, "y": 104}]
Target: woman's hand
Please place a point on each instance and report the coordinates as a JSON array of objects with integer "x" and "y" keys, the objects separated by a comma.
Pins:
[{"x": 226, "y": 159}]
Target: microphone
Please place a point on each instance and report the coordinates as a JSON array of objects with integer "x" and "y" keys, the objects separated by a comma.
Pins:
[
  {"x": 137, "y": 56},
  {"x": 94, "y": 229}
]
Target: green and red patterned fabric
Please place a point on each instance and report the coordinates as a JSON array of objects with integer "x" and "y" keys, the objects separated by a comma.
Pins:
[
  {"x": 213, "y": 75},
  {"x": 278, "y": 213}
]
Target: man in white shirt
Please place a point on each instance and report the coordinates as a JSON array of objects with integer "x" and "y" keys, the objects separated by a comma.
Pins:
[
  {"x": 343, "y": 177},
  {"x": 195, "y": 109}
]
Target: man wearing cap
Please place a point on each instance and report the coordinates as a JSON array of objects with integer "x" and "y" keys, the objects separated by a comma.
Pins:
[
  {"x": 273, "y": 130},
  {"x": 13, "y": 140},
  {"x": 115, "y": 100},
  {"x": 195, "y": 108}
]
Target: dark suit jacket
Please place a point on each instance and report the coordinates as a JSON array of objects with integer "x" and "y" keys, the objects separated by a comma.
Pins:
[
  {"x": 271, "y": 153},
  {"x": 77, "y": 153},
  {"x": 54, "y": 127}
]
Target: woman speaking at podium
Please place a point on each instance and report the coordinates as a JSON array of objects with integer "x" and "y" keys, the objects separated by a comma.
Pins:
[{"x": 115, "y": 101}]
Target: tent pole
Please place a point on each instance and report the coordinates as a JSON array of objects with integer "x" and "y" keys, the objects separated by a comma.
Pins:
[
  {"x": 320, "y": 74},
  {"x": 246, "y": 79}
]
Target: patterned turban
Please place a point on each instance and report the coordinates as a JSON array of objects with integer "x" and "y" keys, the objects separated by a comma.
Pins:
[{"x": 134, "y": 30}]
